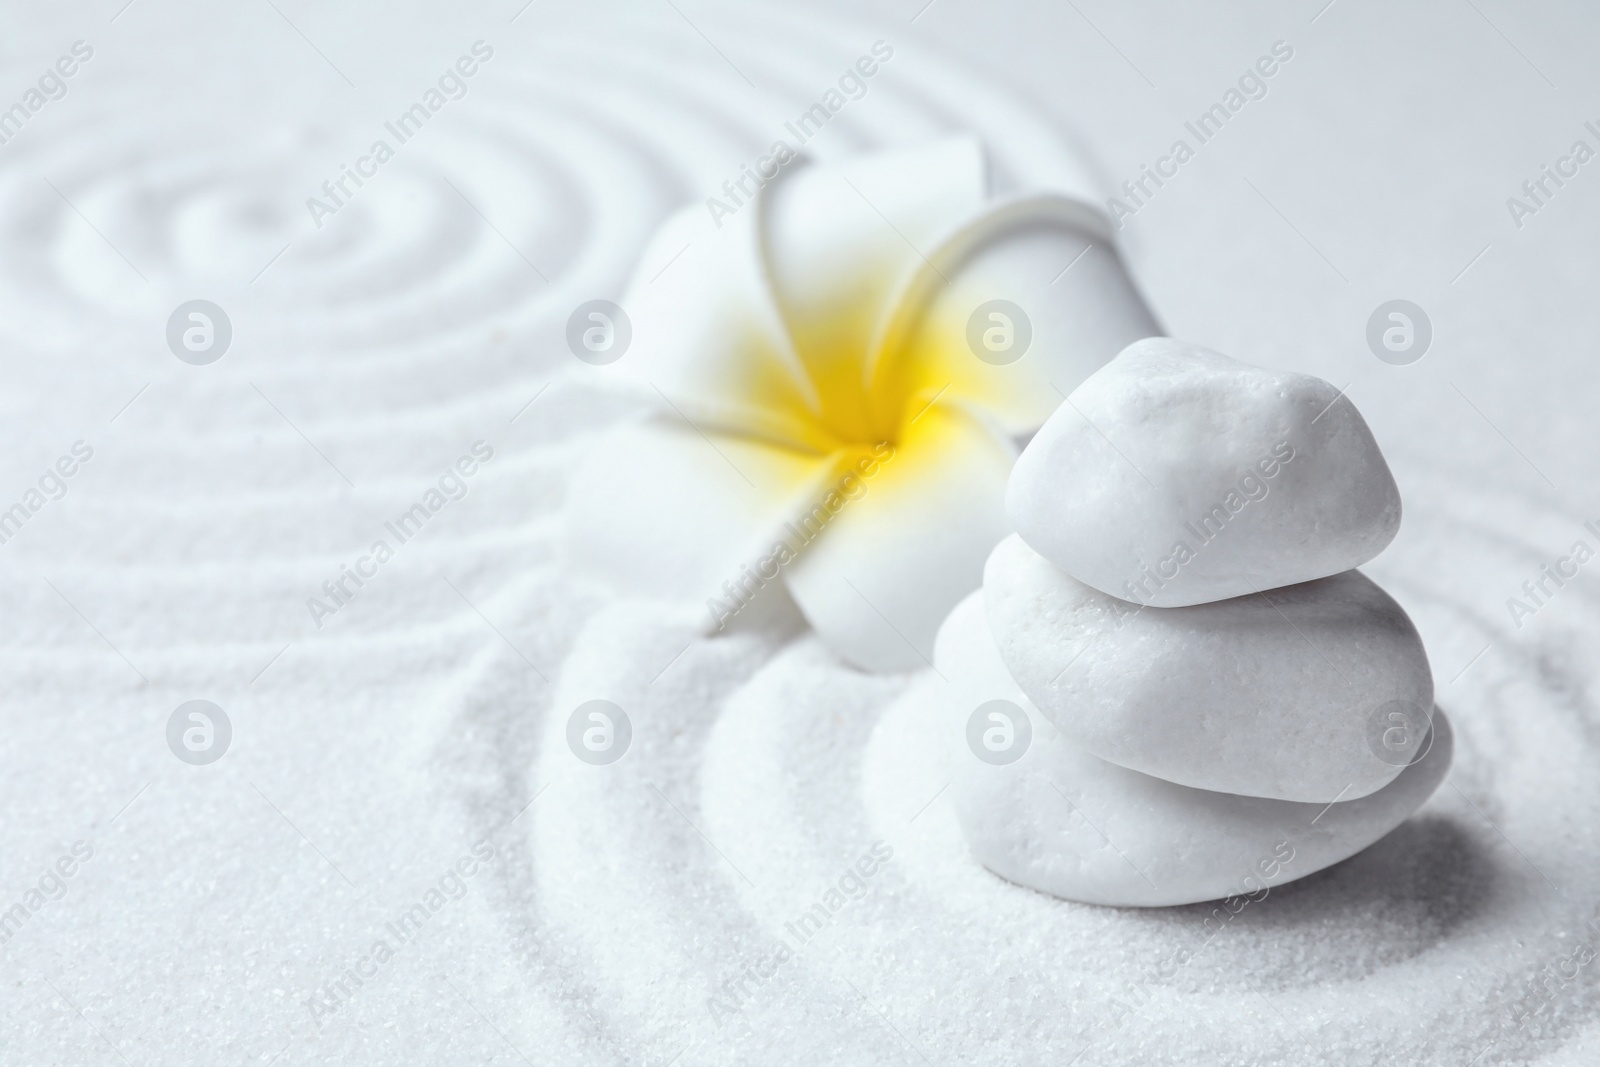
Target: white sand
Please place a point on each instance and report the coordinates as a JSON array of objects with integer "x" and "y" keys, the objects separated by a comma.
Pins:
[{"x": 370, "y": 755}]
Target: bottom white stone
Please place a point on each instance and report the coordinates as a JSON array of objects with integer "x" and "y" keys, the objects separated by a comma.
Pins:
[{"x": 1066, "y": 823}]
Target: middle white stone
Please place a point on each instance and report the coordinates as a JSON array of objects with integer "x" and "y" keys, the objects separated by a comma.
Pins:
[{"x": 1286, "y": 694}]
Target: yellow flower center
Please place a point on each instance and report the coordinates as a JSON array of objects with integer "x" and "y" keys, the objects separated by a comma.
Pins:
[{"x": 854, "y": 412}]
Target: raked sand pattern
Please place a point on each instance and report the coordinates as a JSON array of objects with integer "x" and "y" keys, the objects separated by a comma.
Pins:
[{"x": 770, "y": 874}]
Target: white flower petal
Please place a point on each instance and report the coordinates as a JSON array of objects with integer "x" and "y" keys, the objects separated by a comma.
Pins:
[
  {"x": 883, "y": 574},
  {"x": 663, "y": 511},
  {"x": 1054, "y": 259},
  {"x": 841, "y": 239},
  {"x": 707, "y": 337}
]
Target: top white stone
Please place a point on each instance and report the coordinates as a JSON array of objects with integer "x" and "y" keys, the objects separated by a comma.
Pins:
[{"x": 1175, "y": 475}]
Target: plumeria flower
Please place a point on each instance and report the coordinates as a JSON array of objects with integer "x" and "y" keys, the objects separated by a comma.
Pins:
[{"x": 835, "y": 403}]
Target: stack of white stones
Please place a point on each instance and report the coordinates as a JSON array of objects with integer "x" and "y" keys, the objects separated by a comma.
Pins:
[{"x": 1234, "y": 705}]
